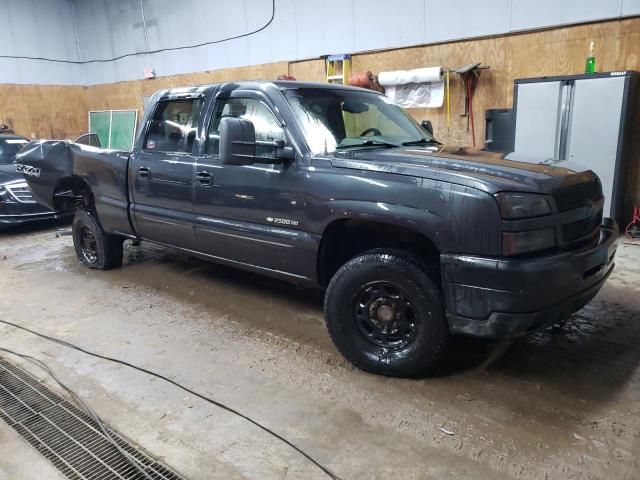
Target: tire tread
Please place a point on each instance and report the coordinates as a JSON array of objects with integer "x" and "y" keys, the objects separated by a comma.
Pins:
[{"x": 418, "y": 362}]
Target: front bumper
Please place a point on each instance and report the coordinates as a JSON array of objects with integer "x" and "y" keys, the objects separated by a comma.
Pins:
[{"x": 504, "y": 298}]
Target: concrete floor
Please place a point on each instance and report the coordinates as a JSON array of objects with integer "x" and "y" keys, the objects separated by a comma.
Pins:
[{"x": 559, "y": 404}]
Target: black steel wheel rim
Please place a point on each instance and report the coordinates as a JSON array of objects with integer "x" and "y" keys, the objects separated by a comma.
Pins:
[
  {"x": 386, "y": 316},
  {"x": 88, "y": 245}
]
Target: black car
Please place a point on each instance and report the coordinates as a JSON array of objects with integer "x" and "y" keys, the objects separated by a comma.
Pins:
[{"x": 17, "y": 206}]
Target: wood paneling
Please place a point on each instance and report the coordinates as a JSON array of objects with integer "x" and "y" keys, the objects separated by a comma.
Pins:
[
  {"x": 308, "y": 70},
  {"x": 44, "y": 111},
  {"x": 60, "y": 112}
]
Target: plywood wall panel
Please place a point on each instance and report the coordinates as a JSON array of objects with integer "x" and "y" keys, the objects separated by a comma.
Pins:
[
  {"x": 44, "y": 111},
  {"x": 308, "y": 70}
]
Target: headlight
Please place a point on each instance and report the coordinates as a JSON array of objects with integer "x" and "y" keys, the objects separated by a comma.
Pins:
[
  {"x": 5, "y": 196},
  {"x": 514, "y": 243},
  {"x": 522, "y": 205}
]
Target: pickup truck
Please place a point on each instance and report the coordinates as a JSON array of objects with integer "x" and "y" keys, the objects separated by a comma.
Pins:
[{"x": 338, "y": 188}]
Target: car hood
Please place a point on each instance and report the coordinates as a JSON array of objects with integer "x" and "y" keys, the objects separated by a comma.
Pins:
[
  {"x": 8, "y": 173},
  {"x": 483, "y": 170}
]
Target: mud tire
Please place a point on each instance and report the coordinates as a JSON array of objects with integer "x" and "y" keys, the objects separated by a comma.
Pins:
[
  {"x": 105, "y": 250},
  {"x": 343, "y": 311}
]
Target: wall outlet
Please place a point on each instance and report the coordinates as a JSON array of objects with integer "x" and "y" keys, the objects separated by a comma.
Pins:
[{"x": 149, "y": 72}]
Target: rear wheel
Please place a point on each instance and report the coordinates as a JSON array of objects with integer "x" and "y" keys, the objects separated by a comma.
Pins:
[
  {"x": 385, "y": 314},
  {"x": 94, "y": 247}
]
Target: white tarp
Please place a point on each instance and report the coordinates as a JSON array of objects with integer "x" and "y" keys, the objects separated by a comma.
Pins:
[{"x": 419, "y": 88}]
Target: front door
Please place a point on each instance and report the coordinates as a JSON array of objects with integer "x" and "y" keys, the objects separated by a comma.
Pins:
[
  {"x": 163, "y": 171},
  {"x": 251, "y": 214}
]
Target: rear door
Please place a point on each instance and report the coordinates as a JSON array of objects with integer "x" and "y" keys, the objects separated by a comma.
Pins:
[{"x": 163, "y": 171}]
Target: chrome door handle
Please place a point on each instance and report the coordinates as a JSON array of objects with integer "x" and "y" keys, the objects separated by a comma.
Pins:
[{"x": 144, "y": 171}]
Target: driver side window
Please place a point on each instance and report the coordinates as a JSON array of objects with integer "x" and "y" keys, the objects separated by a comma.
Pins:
[{"x": 265, "y": 123}]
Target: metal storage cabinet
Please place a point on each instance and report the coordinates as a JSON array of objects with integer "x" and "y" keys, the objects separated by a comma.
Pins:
[{"x": 586, "y": 121}]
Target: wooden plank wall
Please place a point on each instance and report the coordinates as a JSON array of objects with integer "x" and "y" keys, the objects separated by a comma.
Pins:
[
  {"x": 44, "y": 111},
  {"x": 61, "y": 112}
]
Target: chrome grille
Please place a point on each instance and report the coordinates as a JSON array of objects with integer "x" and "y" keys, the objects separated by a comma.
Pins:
[
  {"x": 21, "y": 192},
  {"x": 69, "y": 438}
]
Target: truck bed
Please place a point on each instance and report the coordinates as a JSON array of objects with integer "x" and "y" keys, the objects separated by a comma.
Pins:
[{"x": 46, "y": 163}]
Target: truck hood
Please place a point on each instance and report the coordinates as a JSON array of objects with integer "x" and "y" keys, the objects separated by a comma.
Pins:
[{"x": 477, "y": 169}]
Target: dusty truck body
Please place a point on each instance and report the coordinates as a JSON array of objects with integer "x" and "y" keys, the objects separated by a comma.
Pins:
[{"x": 335, "y": 187}]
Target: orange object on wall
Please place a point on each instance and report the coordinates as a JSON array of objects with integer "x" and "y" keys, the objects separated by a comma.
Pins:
[{"x": 365, "y": 80}]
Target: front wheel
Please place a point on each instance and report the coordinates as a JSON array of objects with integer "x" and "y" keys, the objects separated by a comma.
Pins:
[
  {"x": 94, "y": 247},
  {"x": 385, "y": 315}
]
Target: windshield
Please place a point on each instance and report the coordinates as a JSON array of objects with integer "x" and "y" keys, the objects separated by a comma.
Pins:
[
  {"x": 9, "y": 147},
  {"x": 337, "y": 119}
]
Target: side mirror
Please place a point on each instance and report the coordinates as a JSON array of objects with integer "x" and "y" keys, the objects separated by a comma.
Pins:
[
  {"x": 237, "y": 141},
  {"x": 428, "y": 126},
  {"x": 238, "y": 144}
]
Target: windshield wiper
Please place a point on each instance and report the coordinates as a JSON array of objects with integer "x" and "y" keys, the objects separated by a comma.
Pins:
[
  {"x": 422, "y": 141},
  {"x": 368, "y": 143}
]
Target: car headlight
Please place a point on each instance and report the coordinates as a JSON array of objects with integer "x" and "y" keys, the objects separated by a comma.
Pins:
[
  {"x": 522, "y": 205},
  {"x": 515, "y": 243},
  {"x": 5, "y": 196}
]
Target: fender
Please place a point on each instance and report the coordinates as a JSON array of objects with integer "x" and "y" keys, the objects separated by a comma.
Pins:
[{"x": 428, "y": 223}]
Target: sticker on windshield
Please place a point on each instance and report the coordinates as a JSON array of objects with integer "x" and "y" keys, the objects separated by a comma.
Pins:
[{"x": 16, "y": 140}]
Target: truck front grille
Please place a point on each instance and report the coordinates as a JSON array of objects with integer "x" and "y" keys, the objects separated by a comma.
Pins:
[
  {"x": 585, "y": 230},
  {"x": 575, "y": 196},
  {"x": 582, "y": 230}
]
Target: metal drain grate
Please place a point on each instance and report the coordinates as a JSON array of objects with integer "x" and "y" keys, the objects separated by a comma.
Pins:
[{"x": 67, "y": 436}]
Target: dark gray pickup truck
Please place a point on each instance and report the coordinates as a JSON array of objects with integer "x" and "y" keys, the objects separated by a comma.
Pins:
[{"x": 337, "y": 188}]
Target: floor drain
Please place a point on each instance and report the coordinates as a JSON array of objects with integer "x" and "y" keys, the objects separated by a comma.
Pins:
[{"x": 67, "y": 436}]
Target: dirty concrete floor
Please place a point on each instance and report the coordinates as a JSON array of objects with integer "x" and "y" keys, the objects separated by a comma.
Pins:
[{"x": 564, "y": 403}]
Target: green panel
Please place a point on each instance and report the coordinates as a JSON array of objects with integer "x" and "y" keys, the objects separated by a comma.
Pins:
[
  {"x": 123, "y": 127},
  {"x": 99, "y": 124}
]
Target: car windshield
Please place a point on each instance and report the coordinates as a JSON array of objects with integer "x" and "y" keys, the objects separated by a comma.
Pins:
[
  {"x": 343, "y": 119},
  {"x": 9, "y": 147}
]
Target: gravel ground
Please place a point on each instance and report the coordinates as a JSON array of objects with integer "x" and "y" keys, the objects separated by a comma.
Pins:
[{"x": 563, "y": 403}]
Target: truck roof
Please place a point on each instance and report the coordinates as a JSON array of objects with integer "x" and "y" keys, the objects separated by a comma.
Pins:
[{"x": 261, "y": 85}]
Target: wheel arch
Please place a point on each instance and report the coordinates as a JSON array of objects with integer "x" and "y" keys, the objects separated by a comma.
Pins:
[
  {"x": 71, "y": 194},
  {"x": 344, "y": 238}
]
